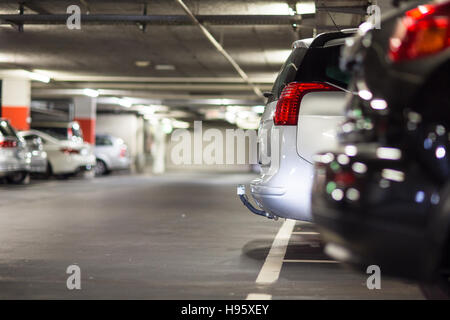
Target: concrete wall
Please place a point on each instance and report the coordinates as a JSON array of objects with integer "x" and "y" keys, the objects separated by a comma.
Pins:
[
  {"x": 171, "y": 166},
  {"x": 126, "y": 126}
]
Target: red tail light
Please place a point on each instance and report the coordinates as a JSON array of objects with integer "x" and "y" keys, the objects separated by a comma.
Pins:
[
  {"x": 69, "y": 151},
  {"x": 422, "y": 31},
  {"x": 344, "y": 178},
  {"x": 8, "y": 143},
  {"x": 123, "y": 151},
  {"x": 288, "y": 106}
]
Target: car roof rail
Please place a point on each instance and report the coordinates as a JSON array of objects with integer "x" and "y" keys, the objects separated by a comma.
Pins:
[
  {"x": 323, "y": 38},
  {"x": 302, "y": 43}
]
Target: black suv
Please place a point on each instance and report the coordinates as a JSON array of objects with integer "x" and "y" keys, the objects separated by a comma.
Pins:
[{"x": 383, "y": 197}]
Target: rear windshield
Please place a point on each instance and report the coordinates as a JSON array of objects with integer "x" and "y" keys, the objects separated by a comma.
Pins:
[
  {"x": 288, "y": 72},
  {"x": 313, "y": 64},
  {"x": 58, "y": 133},
  {"x": 62, "y": 133},
  {"x": 322, "y": 64},
  {"x": 6, "y": 131},
  {"x": 103, "y": 141}
]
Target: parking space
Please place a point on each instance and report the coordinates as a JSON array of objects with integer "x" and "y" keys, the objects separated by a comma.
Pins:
[{"x": 178, "y": 236}]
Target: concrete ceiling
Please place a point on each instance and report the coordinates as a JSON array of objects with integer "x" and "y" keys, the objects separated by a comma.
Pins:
[{"x": 104, "y": 56}]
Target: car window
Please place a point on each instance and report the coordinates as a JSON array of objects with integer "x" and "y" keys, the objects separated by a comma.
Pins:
[
  {"x": 6, "y": 130},
  {"x": 288, "y": 72},
  {"x": 103, "y": 141},
  {"x": 322, "y": 64},
  {"x": 58, "y": 133}
]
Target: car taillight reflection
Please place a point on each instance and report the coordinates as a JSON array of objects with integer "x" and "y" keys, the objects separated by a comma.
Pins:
[
  {"x": 422, "y": 31},
  {"x": 123, "y": 151},
  {"x": 70, "y": 151},
  {"x": 8, "y": 143}
]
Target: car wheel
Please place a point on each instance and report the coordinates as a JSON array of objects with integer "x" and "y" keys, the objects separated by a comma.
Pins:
[
  {"x": 19, "y": 178},
  {"x": 49, "y": 172},
  {"x": 100, "y": 168}
]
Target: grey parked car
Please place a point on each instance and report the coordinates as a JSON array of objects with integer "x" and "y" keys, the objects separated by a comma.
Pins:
[
  {"x": 35, "y": 147},
  {"x": 14, "y": 158},
  {"x": 111, "y": 153}
]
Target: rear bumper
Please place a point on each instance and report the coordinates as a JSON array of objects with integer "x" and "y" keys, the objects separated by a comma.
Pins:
[
  {"x": 10, "y": 167},
  {"x": 120, "y": 164},
  {"x": 38, "y": 165},
  {"x": 284, "y": 189}
]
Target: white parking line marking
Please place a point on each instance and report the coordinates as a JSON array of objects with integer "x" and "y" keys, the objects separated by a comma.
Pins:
[
  {"x": 259, "y": 296},
  {"x": 270, "y": 271},
  {"x": 310, "y": 261},
  {"x": 305, "y": 232}
]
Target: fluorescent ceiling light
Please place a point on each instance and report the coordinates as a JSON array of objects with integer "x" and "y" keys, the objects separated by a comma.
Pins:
[
  {"x": 273, "y": 8},
  {"x": 306, "y": 7},
  {"x": 258, "y": 109},
  {"x": 142, "y": 64},
  {"x": 124, "y": 102},
  {"x": 165, "y": 67},
  {"x": 180, "y": 124},
  {"x": 38, "y": 77},
  {"x": 90, "y": 93}
]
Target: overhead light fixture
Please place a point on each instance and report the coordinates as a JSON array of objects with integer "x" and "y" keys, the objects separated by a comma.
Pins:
[
  {"x": 274, "y": 8},
  {"x": 258, "y": 109},
  {"x": 165, "y": 67},
  {"x": 307, "y": 7},
  {"x": 142, "y": 64},
  {"x": 124, "y": 102},
  {"x": 90, "y": 93},
  {"x": 180, "y": 124},
  {"x": 38, "y": 77}
]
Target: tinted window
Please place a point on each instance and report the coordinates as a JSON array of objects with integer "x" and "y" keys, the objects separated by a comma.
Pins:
[
  {"x": 58, "y": 133},
  {"x": 322, "y": 64},
  {"x": 288, "y": 72},
  {"x": 6, "y": 130},
  {"x": 103, "y": 141}
]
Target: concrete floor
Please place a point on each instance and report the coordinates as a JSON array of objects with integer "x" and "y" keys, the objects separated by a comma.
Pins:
[{"x": 169, "y": 237}]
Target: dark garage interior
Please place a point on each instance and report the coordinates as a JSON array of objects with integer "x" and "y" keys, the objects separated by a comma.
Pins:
[{"x": 103, "y": 201}]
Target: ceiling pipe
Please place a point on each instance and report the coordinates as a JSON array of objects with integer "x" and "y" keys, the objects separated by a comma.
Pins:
[{"x": 221, "y": 50}]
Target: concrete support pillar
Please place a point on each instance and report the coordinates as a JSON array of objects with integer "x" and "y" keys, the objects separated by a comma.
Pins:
[
  {"x": 159, "y": 149},
  {"x": 85, "y": 114},
  {"x": 15, "y": 102}
]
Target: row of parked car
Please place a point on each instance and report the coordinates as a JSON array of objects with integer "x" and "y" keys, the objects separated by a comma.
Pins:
[
  {"x": 56, "y": 149},
  {"x": 355, "y": 137}
]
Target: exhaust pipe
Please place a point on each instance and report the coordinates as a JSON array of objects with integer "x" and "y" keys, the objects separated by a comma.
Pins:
[{"x": 246, "y": 202}]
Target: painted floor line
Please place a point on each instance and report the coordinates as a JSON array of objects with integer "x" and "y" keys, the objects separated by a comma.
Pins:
[
  {"x": 270, "y": 271},
  {"x": 305, "y": 232},
  {"x": 309, "y": 261},
  {"x": 259, "y": 296}
]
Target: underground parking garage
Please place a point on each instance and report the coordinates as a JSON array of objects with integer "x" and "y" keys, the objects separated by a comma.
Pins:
[{"x": 198, "y": 150}]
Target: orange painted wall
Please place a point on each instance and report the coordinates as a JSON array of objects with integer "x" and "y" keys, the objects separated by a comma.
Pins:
[
  {"x": 88, "y": 127},
  {"x": 17, "y": 115}
]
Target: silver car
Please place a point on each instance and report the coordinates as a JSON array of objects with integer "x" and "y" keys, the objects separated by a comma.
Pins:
[
  {"x": 111, "y": 153},
  {"x": 14, "y": 158},
  {"x": 39, "y": 162}
]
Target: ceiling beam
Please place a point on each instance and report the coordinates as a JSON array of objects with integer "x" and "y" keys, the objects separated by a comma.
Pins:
[
  {"x": 108, "y": 19},
  {"x": 221, "y": 50},
  {"x": 33, "y": 6}
]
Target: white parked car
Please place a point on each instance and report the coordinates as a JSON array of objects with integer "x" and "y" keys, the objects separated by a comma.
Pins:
[
  {"x": 65, "y": 157},
  {"x": 112, "y": 154},
  {"x": 300, "y": 119}
]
